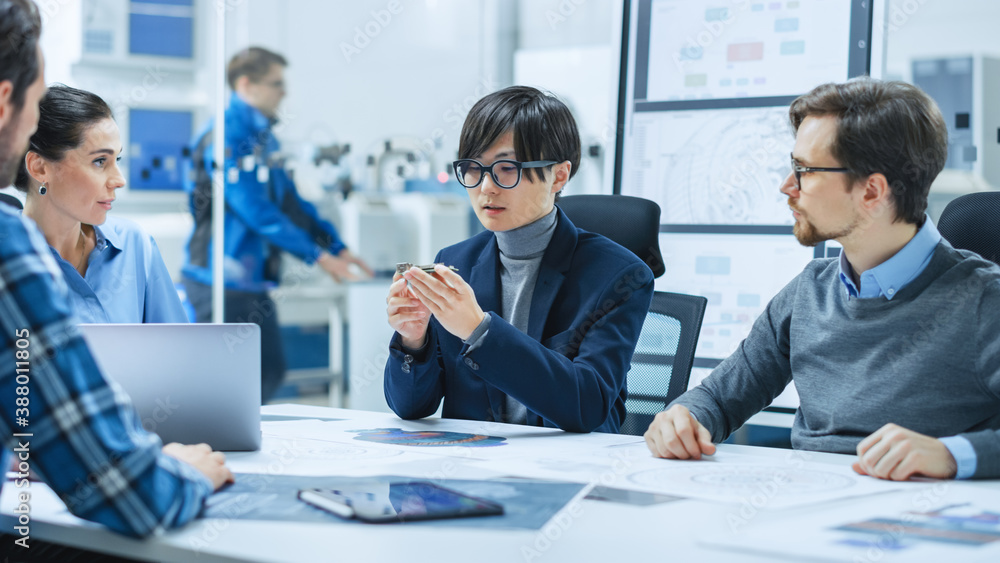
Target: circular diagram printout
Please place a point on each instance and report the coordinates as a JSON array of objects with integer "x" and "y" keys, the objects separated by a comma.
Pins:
[
  {"x": 742, "y": 480},
  {"x": 425, "y": 438}
]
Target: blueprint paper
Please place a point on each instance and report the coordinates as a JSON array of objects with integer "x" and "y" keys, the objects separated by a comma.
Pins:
[
  {"x": 528, "y": 505},
  {"x": 946, "y": 521},
  {"x": 280, "y": 455},
  {"x": 727, "y": 477},
  {"x": 450, "y": 437}
]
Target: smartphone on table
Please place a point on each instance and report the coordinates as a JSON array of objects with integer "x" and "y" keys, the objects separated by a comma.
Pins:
[{"x": 399, "y": 502}]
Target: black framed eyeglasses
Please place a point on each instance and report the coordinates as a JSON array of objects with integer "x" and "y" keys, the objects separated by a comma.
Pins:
[
  {"x": 505, "y": 173},
  {"x": 799, "y": 170}
]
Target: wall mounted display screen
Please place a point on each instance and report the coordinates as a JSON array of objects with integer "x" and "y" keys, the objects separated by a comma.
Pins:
[{"x": 704, "y": 132}]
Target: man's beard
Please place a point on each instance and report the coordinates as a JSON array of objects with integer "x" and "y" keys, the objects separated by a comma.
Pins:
[
  {"x": 807, "y": 234},
  {"x": 10, "y": 156}
]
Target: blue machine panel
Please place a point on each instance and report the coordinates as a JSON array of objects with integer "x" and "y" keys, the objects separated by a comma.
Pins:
[
  {"x": 161, "y": 27},
  {"x": 950, "y": 83},
  {"x": 306, "y": 347},
  {"x": 157, "y": 140}
]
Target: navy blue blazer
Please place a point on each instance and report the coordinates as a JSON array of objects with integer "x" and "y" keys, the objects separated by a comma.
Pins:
[{"x": 590, "y": 300}]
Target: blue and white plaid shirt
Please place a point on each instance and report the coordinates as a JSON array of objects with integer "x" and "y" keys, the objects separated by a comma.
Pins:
[{"x": 86, "y": 440}]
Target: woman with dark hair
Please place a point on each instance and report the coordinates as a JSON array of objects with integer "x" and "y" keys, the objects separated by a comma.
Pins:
[
  {"x": 539, "y": 323},
  {"x": 70, "y": 174}
]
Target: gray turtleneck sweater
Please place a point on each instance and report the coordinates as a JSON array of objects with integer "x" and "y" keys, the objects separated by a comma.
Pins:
[{"x": 521, "y": 252}]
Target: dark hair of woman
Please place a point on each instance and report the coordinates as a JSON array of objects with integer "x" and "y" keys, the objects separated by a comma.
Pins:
[{"x": 64, "y": 115}]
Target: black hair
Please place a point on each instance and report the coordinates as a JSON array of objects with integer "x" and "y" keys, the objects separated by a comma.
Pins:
[
  {"x": 20, "y": 27},
  {"x": 543, "y": 127},
  {"x": 253, "y": 62},
  {"x": 64, "y": 115},
  {"x": 886, "y": 127}
]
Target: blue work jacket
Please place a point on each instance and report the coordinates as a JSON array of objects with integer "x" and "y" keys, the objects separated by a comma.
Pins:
[{"x": 264, "y": 214}]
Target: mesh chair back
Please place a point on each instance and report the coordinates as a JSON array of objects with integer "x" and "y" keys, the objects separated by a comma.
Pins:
[
  {"x": 632, "y": 222},
  {"x": 661, "y": 365},
  {"x": 972, "y": 222},
  {"x": 11, "y": 201}
]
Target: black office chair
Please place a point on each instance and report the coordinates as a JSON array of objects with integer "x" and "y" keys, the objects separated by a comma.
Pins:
[
  {"x": 661, "y": 365},
  {"x": 11, "y": 201},
  {"x": 972, "y": 222},
  {"x": 632, "y": 222}
]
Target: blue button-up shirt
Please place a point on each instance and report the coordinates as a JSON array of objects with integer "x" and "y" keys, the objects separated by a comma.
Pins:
[
  {"x": 80, "y": 433},
  {"x": 126, "y": 279},
  {"x": 885, "y": 281}
]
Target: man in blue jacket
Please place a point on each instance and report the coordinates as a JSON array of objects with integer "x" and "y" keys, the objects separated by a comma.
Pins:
[
  {"x": 264, "y": 214},
  {"x": 539, "y": 323}
]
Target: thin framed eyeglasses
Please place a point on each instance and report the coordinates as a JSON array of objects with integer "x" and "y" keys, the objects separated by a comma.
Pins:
[
  {"x": 799, "y": 170},
  {"x": 505, "y": 173}
]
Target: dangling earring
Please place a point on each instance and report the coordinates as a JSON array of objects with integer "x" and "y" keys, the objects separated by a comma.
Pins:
[{"x": 42, "y": 189}]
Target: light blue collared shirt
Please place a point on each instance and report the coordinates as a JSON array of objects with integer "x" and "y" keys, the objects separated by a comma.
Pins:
[
  {"x": 126, "y": 281},
  {"x": 885, "y": 280}
]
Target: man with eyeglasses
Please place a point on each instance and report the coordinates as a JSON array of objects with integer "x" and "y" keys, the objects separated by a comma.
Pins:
[
  {"x": 539, "y": 323},
  {"x": 264, "y": 214},
  {"x": 894, "y": 347}
]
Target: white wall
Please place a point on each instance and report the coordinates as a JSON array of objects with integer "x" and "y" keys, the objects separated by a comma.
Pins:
[
  {"x": 546, "y": 24},
  {"x": 61, "y": 38},
  {"x": 571, "y": 48}
]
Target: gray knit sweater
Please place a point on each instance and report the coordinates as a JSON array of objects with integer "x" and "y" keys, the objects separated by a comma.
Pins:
[{"x": 928, "y": 360}]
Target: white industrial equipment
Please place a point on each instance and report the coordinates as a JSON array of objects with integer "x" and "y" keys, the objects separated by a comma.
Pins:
[
  {"x": 966, "y": 88},
  {"x": 371, "y": 229},
  {"x": 432, "y": 222}
]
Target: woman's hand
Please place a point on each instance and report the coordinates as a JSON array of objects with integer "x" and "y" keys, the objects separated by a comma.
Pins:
[
  {"x": 446, "y": 295},
  {"x": 407, "y": 315}
]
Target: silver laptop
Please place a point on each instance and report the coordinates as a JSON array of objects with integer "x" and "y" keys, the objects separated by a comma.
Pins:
[{"x": 191, "y": 383}]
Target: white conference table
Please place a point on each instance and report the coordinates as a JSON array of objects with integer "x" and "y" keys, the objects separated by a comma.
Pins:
[{"x": 586, "y": 530}]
